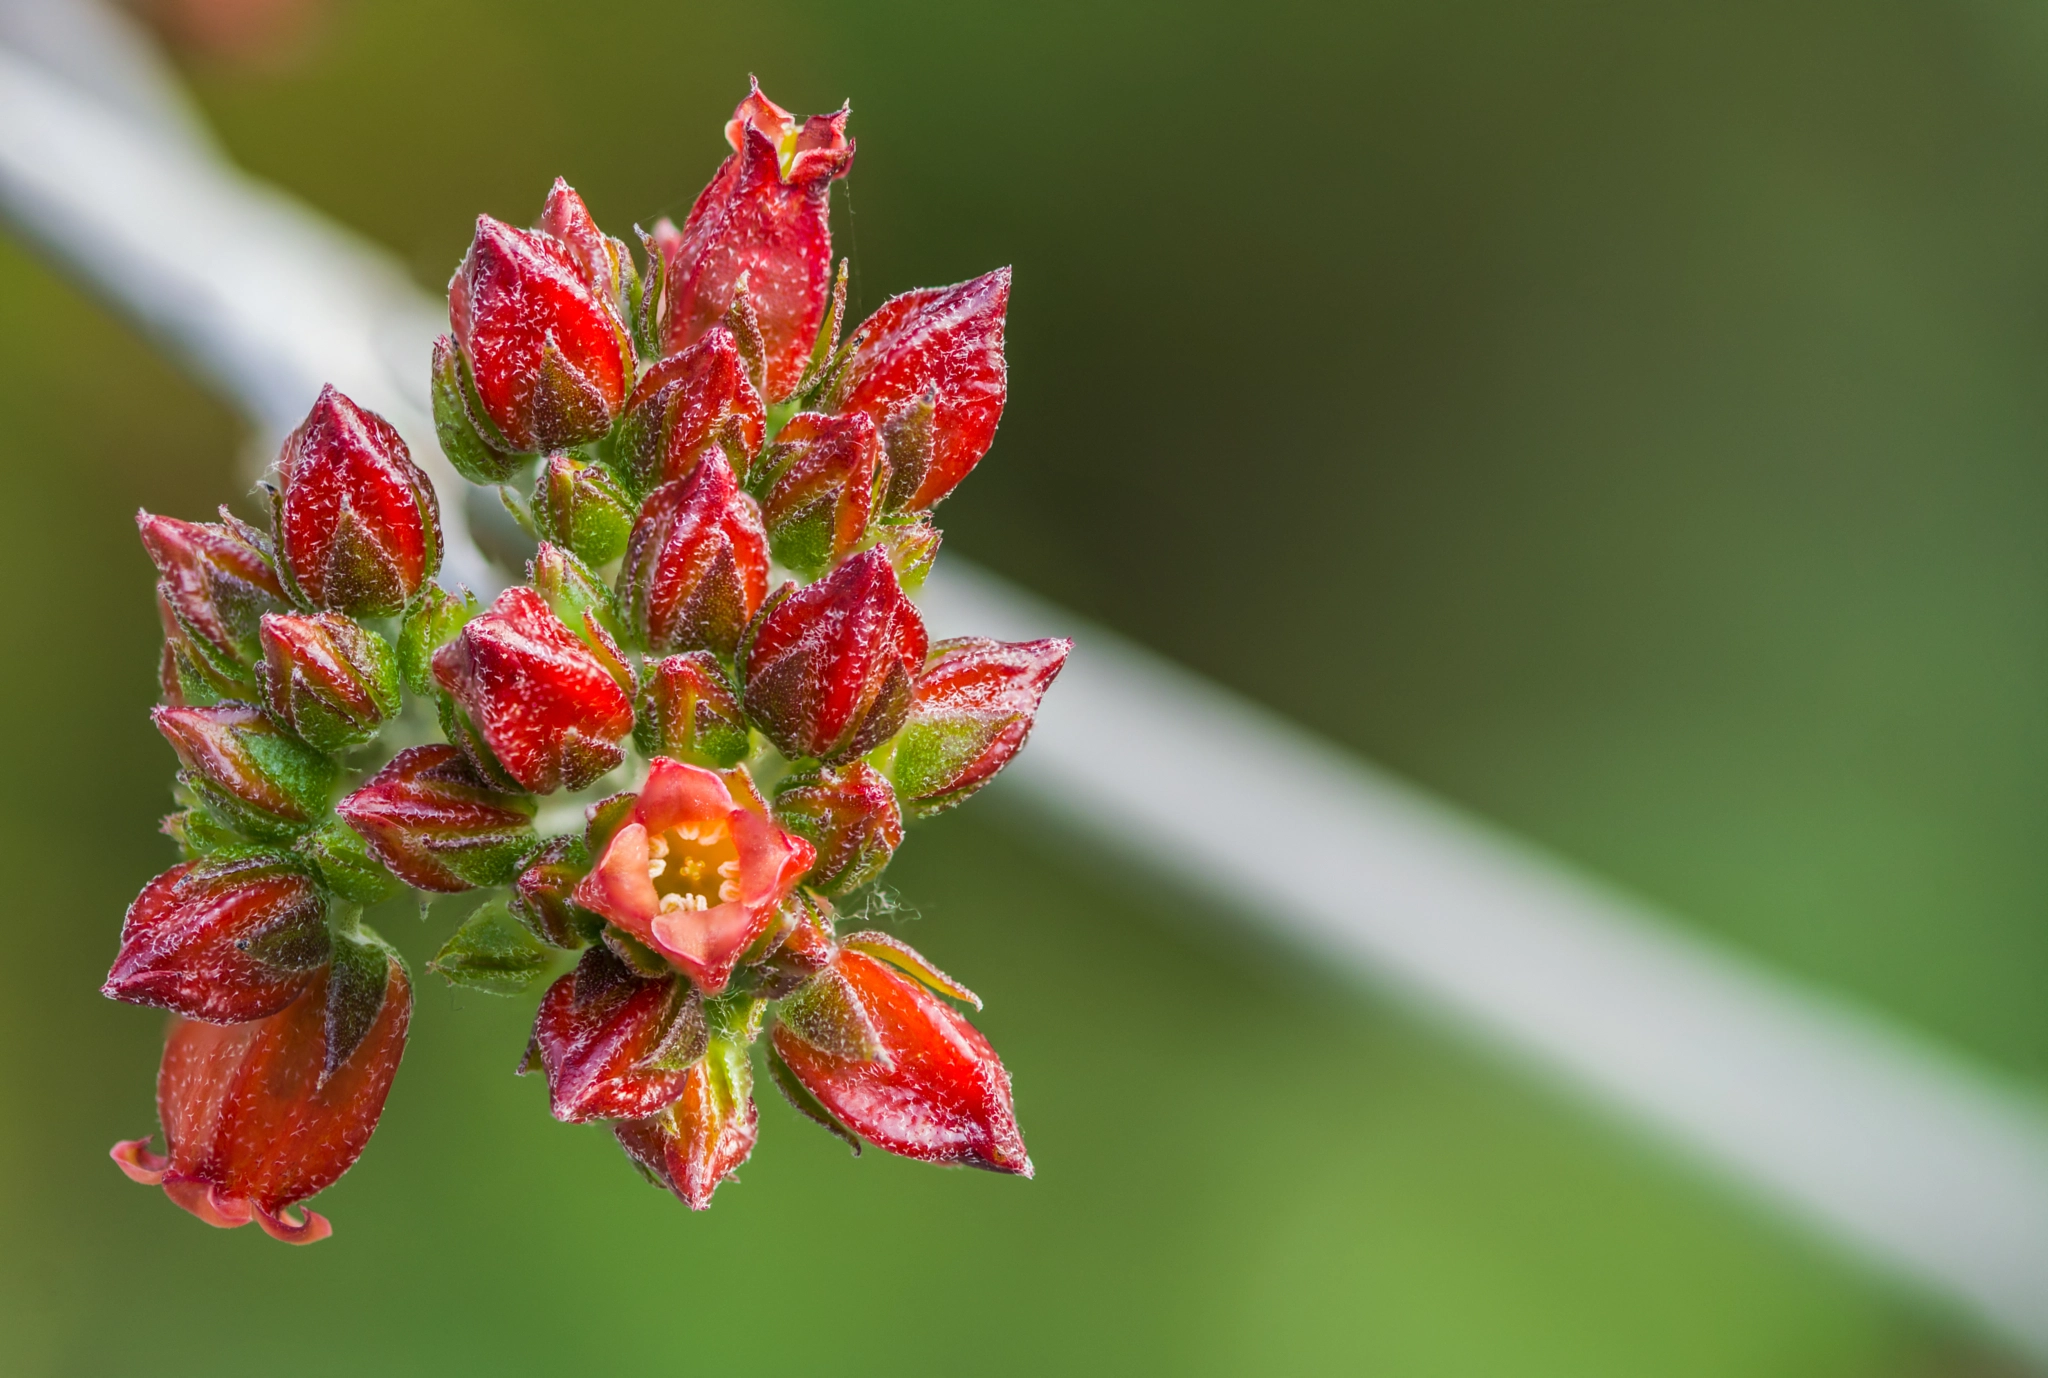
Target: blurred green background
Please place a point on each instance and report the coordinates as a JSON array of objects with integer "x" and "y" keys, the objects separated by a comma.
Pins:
[{"x": 1624, "y": 420}]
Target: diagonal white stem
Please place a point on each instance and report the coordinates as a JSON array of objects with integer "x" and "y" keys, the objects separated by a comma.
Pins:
[{"x": 1921, "y": 1164}]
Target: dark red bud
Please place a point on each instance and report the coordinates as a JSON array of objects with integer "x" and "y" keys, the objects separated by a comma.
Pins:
[
  {"x": 615, "y": 1046},
  {"x": 548, "y": 710},
  {"x": 547, "y": 350},
  {"x": 249, "y": 771},
  {"x": 358, "y": 526},
  {"x": 332, "y": 682},
  {"x": 433, "y": 821},
  {"x": 688, "y": 405},
  {"x": 696, "y": 568},
  {"x": 941, "y": 342},
  {"x": 254, "y": 1121},
  {"x": 975, "y": 704},
  {"x": 225, "y": 941},
  {"x": 765, "y": 216},
  {"x": 702, "y": 1138},
  {"x": 821, "y": 489},
  {"x": 830, "y": 668},
  {"x": 849, "y": 814},
  {"x": 689, "y": 712},
  {"x": 934, "y": 1090},
  {"x": 217, "y": 582}
]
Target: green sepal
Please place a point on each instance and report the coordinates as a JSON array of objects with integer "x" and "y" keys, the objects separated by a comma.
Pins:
[
  {"x": 825, "y": 1013},
  {"x": 644, "y": 294},
  {"x": 645, "y": 962},
  {"x": 492, "y": 952},
  {"x": 606, "y": 817},
  {"x": 457, "y": 425},
  {"x": 687, "y": 1037},
  {"x": 804, "y": 1102},
  {"x": 356, "y": 983},
  {"x": 432, "y": 621},
  {"x": 200, "y": 835},
  {"x": 345, "y": 864}
]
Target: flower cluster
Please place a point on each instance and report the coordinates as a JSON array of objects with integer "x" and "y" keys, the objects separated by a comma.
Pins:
[{"x": 712, "y": 658}]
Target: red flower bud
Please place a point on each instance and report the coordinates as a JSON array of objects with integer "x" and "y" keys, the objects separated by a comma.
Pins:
[
  {"x": 688, "y": 404},
  {"x": 976, "y": 701},
  {"x": 256, "y": 1122},
  {"x": 247, "y": 769},
  {"x": 822, "y": 489},
  {"x": 697, "y": 566},
  {"x": 830, "y": 669},
  {"x": 849, "y": 814},
  {"x": 702, "y": 1138},
  {"x": 217, "y": 582},
  {"x": 581, "y": 508},
  {"x": 223, "y": 941},
  {"x": 536, "y": 318},
  {"x": 887, "y": 1059},
  {"x": 765, "y": 215},
  {"x": 437, "y": 825},
  {"x": 693, "y": 873},
  {"x": 332, "y": 682},
  {"x": 543, "y": 898},
  {"x": 601, "y": 261},
  {"x": 688, "y": 712},
  {"x": 545, "y": 707},
  {"x": 616, "y": 1046},
  {"x": 945, "y": 343},
  {"x": 358, "y": 526}
]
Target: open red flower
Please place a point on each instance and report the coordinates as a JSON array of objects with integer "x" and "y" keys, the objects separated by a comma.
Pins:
[
  {"x": 358, "y": 526},
  {"x": 945, "y": 343},
  {"x": 225, "y": 941},
  {"x": 694, "y": 873},
  {"x": 766, "y": 214},
  {"x": 536, "y": 320},
  {"x": 886, "y": 1058},
  {"x": 546, "y": 709},
  {"x": 252, "y": 1126}
]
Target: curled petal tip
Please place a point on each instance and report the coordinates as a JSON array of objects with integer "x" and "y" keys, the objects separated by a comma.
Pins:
[
  {"x": 278, "y": 1225},
  {"x": 133, "y": 1157}
]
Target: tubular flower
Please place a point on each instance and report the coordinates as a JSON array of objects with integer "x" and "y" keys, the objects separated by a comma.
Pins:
[
  {"x": 696, "y": 567},
  {"x": 886, "y": 1058},
  {"x": 217, "y": 582},
  {"x": 535, "y": 317},
  {"x": 693, "y": 873},
  {"x": 223, "y": 941},
  {"x": 831, "y": 668},
  {"x": 437, "y": 824},
  {"x": 255, "y": 1121},
  {"x": 765, "y": 216},
  {"x": 616, "y": 1046},
  {"x": 941, "y": 343},
  {"x": 358, "y": 525},
  {"x": 974, "y": 707},
  {"x": 547, "y": 711},
  {"x": 663, "y": 431}
]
